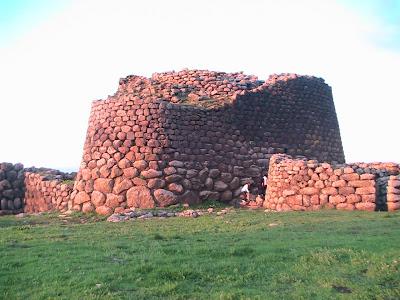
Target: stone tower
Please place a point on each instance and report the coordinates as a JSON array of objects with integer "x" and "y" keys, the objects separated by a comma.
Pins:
[{"x": 196, "y": 135}]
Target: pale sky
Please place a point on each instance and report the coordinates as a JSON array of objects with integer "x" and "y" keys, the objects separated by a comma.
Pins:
[{"x": 58, "y": 56}]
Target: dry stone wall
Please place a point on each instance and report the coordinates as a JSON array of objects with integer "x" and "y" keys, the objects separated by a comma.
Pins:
[
  {"x": 196, "y": 135},
  {"x": 47, "y": 190},
  {"x": 11, "y": 188},
  {"x": 302, "y": 184},
  {"x": 393, "y": 193}
]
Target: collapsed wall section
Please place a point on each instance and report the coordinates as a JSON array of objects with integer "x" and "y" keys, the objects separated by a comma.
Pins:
[
  {"x": 302, "y": 184},
  {"x": 193, "y": 136}
]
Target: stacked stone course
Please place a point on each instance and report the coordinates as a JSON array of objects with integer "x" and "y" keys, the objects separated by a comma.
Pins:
[
  {"x": 11, "y": 188},
  {"x": 198, "y": 135},
  {"x": 301, "y": 184},
  {"x": 393, "y": 193},
  {"x": 47, "y": 190}
]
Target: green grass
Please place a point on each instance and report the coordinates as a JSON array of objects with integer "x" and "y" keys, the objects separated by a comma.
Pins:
[{"x": 241, "y": 255}]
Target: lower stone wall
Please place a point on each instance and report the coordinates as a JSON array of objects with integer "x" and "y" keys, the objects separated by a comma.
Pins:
[
  {"x": 45, "y": 193},
  {"x": 393, "y": 193},
  {"x": 11, "y": 188},
  {"x": 301, "y": 184}
]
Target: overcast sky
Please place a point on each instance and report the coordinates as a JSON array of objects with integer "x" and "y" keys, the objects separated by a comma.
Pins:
[{"x": 58, "y": 56}]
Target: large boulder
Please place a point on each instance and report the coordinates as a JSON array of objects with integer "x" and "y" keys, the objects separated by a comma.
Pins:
[
  {"x": 139, "y": 196},
  {"x": 81, "y": 197},
  {"x": 103, "y": 185},
  {"x": 165, "y": 198},
  {"x": 98, "y": 198}
]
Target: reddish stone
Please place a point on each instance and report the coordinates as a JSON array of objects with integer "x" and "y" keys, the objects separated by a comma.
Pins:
[
  {"x": 87, "y": 207},
  {"x": 346, "y": 190},
  {"x": 124, "y": 185},
  {"x": 113, "y": 200},
  {"x": 98, "y": 198},
  {"x": 368, "y": 206},
  {"x": 314, "y": 199},
  {"x": 116, "y": 172},
  {"x": 124, "y": 163},
  {"x": 393, "y": 198},
  {"x": 86, "y": 174},
  {"x": 130, "y": 172},
  {"x": 104, "y": 210},
  {"x": 339, "y": 183},
  {"x": 103, "y": 185},
  {"x": 345, "y": 206},
  {"x": 119, "y": 210},
  {"x": 348, "y": 170},
  {"x": 350, "y": 177},
  {"x": 365, "y": 190},
  {"x": 140, "y": 165},
  {"x": 105, "y": 171},
  {"x": 81, "y": 197},
  {"x": 175, "y": 188},
  {"x": 139, "y": 196},
  {"x": 139, "y": 181},
  {"x": 151, "y": 174},
  {"x": 394, "y": 183},
  {"x": 367, "y": 176},
  {"x": 169, "y": 171},
  {"x": 336, "y": 199},
  {"x": 392, "y": 206},
  {"x": 329, "y": 191},
  {"x": 319, "y": 184},
  {"x": 368, "y": 198},
  {"x": 309, "y": 191},
  {"x": 353, "y": 198},
  {"x": 361, "y": 183},
  {"x": 165, "y": 198}
]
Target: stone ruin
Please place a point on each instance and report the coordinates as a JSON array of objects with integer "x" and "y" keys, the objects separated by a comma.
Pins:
[{"x": 194, "y": 136}]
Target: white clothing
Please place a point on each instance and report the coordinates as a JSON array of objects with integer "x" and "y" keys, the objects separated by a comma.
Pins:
[{"x": 245, "y": 188}]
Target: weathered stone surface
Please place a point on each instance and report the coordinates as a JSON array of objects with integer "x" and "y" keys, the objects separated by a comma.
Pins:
[
  {"x": 235, "y": 183},
  {"x": 209, "y": 195},
  {"x": 155, "y": 183},
  {"x": 104, "y": 185},
  {"x": 309, "y": 191},
  {"x": 165, "y": 198},
  {"x": 87, "y": 207},
  {"x": 124, "y": 185},
  {"x": 113, "y": 200},
  {"x": 139, "y": 196},
  {"x": 220, "y": 186},
  {"x": 81, "y": 197},
  {"x": 98, "y": 198},
  {"x": 368, "y": 206},
  {"x": 336, "y": 199},
  {"x": 214, "y": 173},
  {"x": 365, "y": 190},
  {"x": 173, "y": 178},
  {"x": 151, "y": 174},
  {"x": 140, "y": 165},
  {"x": 176, "y": 164},
  {"x": 104, "y": 210},
  {"x": 175, "y": 188}
]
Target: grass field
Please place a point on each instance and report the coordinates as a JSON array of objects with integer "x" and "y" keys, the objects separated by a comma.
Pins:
[{"x": 241, "y": 255}]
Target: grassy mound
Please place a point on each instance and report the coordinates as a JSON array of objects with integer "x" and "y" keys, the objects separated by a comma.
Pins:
[{"x": 243, "y": 254}]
